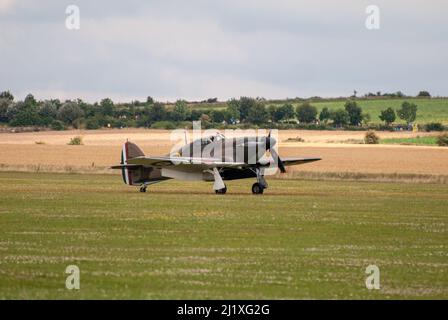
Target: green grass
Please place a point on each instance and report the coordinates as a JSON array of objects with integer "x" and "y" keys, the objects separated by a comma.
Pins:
[
  {"x": 301, "y": 239},
  {"x": 429, "y": 141},
  {"x": 429, "y": 110}
]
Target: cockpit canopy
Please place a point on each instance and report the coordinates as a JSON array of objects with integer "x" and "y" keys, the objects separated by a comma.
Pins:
[{"x": 209, "y": 139}]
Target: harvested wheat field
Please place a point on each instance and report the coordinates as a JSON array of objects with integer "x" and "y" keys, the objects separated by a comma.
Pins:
[{"x": 49, "y": 150}]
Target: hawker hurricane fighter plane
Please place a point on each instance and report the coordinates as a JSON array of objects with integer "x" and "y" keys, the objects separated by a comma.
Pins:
[{"x": 212, "y": 158}]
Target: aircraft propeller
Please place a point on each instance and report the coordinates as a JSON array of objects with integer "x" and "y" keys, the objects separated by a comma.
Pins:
[{"x": 270, "y": 142}]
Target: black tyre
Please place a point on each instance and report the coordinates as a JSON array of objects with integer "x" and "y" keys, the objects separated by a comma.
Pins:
[
  {"x": 257, "y": 188},
  {"x": 221, "y": 191}
]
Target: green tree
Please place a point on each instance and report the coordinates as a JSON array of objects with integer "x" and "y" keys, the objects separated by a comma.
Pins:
[
  {"x": 26, "y": 117},
  {"x": 156, "y": 112},
  {"x": 325, "y": 115},
  {"x": 278, "y": 114},
  {"x": 69, "y": 113},
  {"x": 218, "y": 116},
  {"x": 29, "y": 100},
  {"x": 288, "y": 110},
  {"x": 149, "y": 100},
  {"x": 4, "y": 104},
  {"x": 180, "y": 111},
  {"x": 233, "y": 110},
  {"x": 272, "y": 110},
  {"x": 306, "y": 113},
  {"x": 340, "y": 117},
  {"x": 47, "y": 112},
  {"x": 245, "y": 105},
  {"x": 424, "y": 94},
  {"x": 258, "y": 113},
  {"x": 408, "y": 112},
  {"x": 7, "y": 95},
  {"x": 107, "y": 107},
  {"x": 89, "y": 109},
  {"x": 354, "y": 112},
  {"x": 56, "y": 102},
  {"x": 23, "y": 114},
  {"x": 388, "y": 116}
]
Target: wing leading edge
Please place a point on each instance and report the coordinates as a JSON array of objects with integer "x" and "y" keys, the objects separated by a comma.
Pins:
[
  {"x": 204, "y": 162},
  {"x": 296, "y": 161}
]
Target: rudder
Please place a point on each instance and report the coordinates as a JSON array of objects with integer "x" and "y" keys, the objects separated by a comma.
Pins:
[{"x": 130, "y": 150}]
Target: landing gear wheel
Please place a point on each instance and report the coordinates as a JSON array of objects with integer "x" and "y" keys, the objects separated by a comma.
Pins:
[
  {"x": 257, "y": 188},
  {"x": 221, "y": 191},
  {"x": 143, "y": 189}
]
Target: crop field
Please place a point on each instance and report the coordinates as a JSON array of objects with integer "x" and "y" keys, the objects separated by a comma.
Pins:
[
  {"x": 48, "y": 151},
  {"x": 301, "y": 239}
]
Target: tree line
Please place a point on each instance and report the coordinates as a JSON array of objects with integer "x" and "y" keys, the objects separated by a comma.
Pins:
[{"x": 243, "y": 111}]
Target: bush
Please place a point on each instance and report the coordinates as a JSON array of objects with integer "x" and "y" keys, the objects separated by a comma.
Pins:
[
  {"x": 442, "y": 140},
  {"x": 169, "y": 125},
  {"x": 371, "y": 138},
  {"x": 57, "y": 125},
  {"x": 76, "y": 141},
  {"x": 434, "y": 126},
  {"x": 92, "y": 124}
]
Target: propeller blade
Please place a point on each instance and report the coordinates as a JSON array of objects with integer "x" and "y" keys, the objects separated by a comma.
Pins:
[
  {"x": 280, "y": 164},
  {"x": 274, "y": 154}
]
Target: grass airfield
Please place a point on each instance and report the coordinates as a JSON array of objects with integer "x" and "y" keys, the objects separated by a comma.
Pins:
[{"x": 300, "y": 240}]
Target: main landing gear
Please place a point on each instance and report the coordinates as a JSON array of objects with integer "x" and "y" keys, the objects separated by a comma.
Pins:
[
  {"x": 257, "y": 188},
  {"x": 221, "y": 191},
  {"x": 261, "y": 184},
  {"x": 143, "y": 188}
]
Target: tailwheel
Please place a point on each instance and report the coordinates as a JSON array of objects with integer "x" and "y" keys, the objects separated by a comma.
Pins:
[
  {"x": 143, "y": 189},
  {"x": 257, "y": 188},
  {"x": 221, "y": 191}
]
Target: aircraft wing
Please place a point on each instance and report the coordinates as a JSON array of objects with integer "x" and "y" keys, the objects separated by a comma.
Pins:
[
  {"x": 296, "y": 161},
  {"x": 126, "y": 166},
  {"x": 179, "y": 162}
]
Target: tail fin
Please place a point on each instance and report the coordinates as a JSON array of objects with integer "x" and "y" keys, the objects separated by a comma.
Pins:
[{"x": 130, "y": 150}]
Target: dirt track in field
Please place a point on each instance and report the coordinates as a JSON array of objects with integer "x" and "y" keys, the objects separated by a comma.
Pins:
[{"x": 102, "y": 148}]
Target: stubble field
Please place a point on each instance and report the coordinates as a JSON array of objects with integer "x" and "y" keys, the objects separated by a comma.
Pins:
[{"x": 48, "y": 151}]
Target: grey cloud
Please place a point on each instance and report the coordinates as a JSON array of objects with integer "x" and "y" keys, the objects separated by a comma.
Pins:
[{"x": 196, "y": 49}]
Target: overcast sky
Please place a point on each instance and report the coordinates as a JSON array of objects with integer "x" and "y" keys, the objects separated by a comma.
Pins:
[{"x": 130, "y": 49}]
